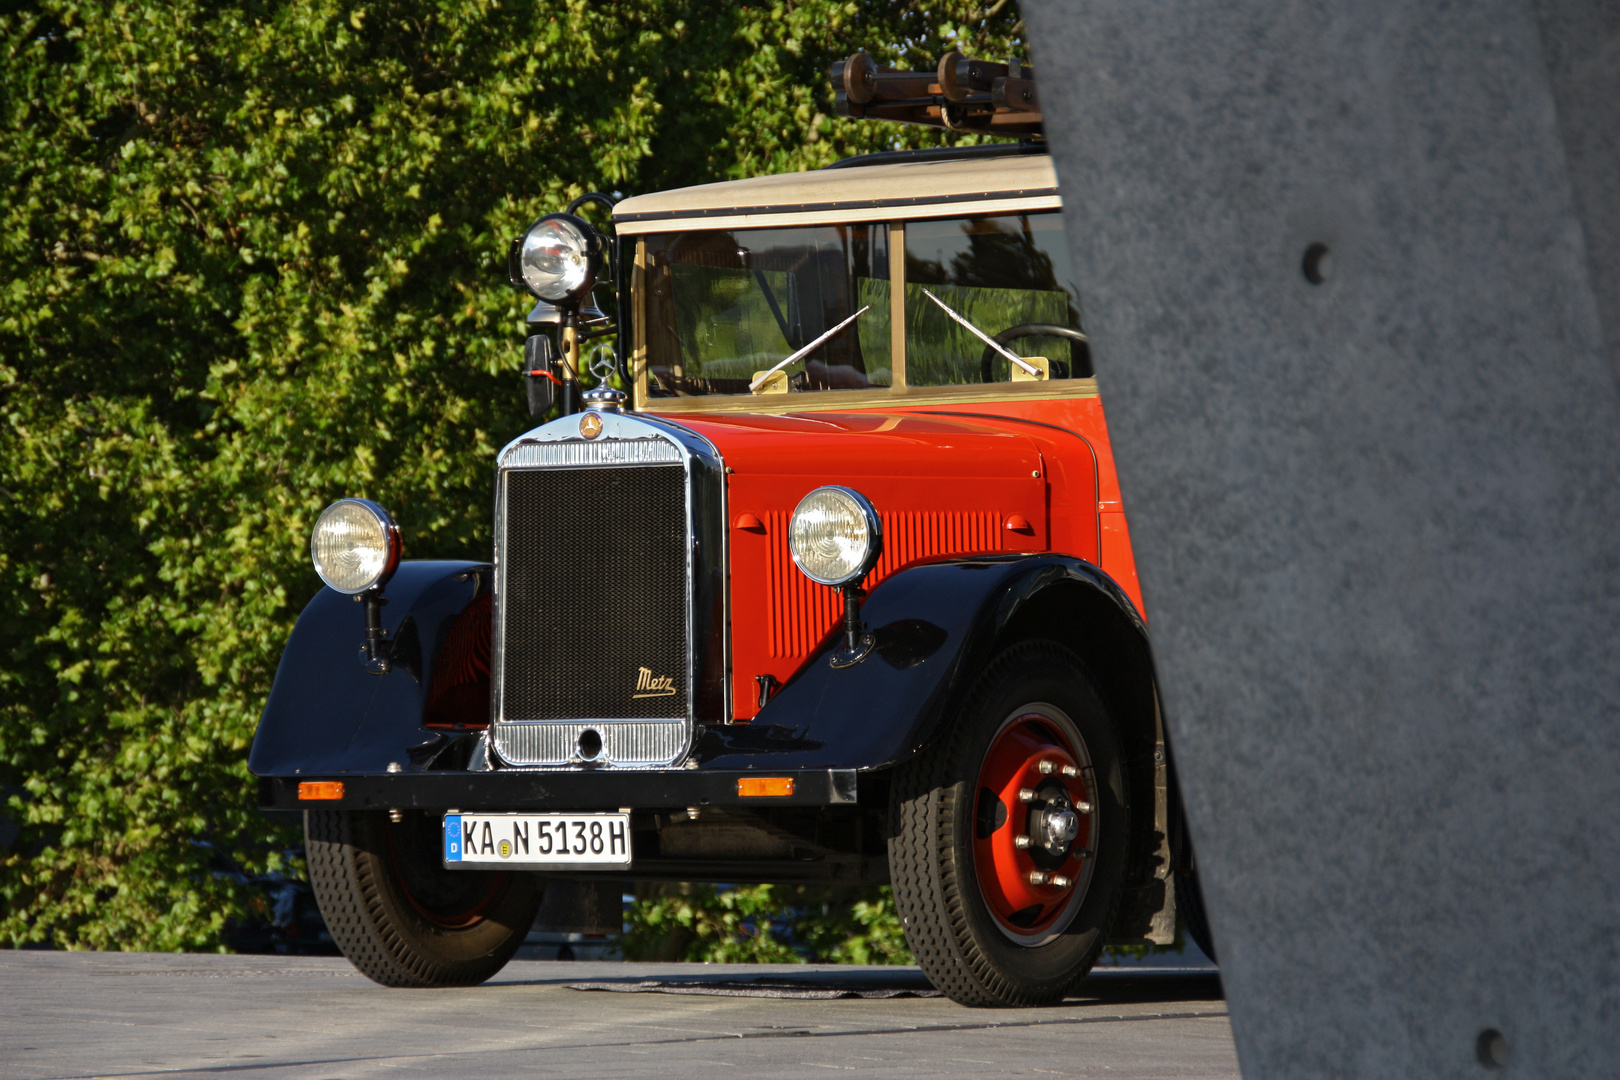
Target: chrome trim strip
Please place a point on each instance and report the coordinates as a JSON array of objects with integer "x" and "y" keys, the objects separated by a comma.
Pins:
[
  {"x": 626, "y": 744},
  {"x": 601, "y": 452}
]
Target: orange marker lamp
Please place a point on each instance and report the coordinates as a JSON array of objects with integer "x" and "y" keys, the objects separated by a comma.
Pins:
[{"x": 764, "y": 787}]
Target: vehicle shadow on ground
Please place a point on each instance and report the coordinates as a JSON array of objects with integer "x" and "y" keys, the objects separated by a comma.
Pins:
[
  {"x": 1136, "y": 985},
  {"x": 1102, "y": 987}
]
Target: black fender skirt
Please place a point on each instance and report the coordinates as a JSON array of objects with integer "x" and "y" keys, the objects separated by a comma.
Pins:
[
  {"x": 402, "y": 739},
  {"x": 327, "y": 715}
]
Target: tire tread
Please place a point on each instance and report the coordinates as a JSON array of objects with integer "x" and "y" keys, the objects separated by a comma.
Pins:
[
  {"x": 357, "y": 903},
  {"x": 924, "y": 875}
]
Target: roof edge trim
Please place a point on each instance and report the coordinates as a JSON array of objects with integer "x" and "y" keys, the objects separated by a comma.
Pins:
[{"x": 914, "y": 201}]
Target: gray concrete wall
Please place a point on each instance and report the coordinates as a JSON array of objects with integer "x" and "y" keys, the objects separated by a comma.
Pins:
[
  {"x": 1376, "y": 518},
  {"x": 1580, "y": 44}
]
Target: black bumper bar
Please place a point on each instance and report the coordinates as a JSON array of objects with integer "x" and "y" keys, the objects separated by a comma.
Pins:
[{"x": 654, "y": 789}]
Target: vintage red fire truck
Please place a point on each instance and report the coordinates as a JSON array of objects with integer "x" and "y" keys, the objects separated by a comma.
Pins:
[{"x": 840, "y": 590}]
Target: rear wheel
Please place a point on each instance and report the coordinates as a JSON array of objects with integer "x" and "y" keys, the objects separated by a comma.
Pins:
[
  {"x": 398, "y": 915},
  {"x": 1009, "y": 842}
]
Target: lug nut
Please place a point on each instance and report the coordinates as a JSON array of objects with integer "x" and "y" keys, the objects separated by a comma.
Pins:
[
  {"x": 1026, "y": 794},
  {"x": 1039, "y": 877},
  {"x": 1070, "y": 770},
  {"x": 1083, "y": 808},
  {"x": 1058, "y": 881},
  {"x": 1048, "y": 768},
  {"x": 1020, "y": 842}
]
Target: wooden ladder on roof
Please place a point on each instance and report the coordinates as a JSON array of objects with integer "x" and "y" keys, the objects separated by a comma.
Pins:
[{"x": 961, "y": 94}]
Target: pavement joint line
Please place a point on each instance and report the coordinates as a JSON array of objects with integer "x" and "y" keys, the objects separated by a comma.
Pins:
[{"x": 920, "y": 1029}]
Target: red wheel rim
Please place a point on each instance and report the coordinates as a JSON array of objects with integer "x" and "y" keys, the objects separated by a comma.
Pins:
[{"x": 1033, "y": 892}]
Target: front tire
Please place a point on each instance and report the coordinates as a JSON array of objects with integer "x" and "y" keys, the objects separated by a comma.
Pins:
[
  {"x": 1009, "y": 839},
  {"x": 398, "y": 915}
]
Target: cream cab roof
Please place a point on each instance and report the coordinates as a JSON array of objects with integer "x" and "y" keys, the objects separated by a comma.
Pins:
[{"x": 892, "y": 191}]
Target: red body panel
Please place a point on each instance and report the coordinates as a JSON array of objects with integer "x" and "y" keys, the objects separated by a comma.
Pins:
[
  {"x": 1084, "y": 417},
  {"x": 945, "y": 480}
]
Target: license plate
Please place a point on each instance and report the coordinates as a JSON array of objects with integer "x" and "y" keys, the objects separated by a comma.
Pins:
[{"x": 537, "y": 841}]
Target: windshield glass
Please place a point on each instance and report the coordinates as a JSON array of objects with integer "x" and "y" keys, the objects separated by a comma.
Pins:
[
  {"x": 1012, "y": 278},
  {"x": 723, "y": 307}
]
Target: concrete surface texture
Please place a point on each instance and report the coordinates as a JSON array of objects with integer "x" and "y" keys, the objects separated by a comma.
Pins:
[
  {"x": 1373, "y": 499},
  {"x": 1580, "y": 43},
  {"x": 84, "y": 1015}
]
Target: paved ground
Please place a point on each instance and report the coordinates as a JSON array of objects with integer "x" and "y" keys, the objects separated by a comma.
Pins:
[{"x": 128, "y": 1014}]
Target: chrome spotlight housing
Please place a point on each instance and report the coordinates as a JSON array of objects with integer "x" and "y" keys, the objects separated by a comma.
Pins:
[{"x": 558, "y": 259}]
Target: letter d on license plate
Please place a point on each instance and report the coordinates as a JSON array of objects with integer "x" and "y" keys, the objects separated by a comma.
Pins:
[{"x": 536, "y": 841}]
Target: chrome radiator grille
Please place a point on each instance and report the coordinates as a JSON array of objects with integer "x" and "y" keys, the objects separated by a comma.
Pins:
[{"x": 609, "y": 631}]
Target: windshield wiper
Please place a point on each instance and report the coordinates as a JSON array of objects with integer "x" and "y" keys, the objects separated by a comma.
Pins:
[
  {"x": 763, "y": 377},
  {"x": 986, "y": 338}
]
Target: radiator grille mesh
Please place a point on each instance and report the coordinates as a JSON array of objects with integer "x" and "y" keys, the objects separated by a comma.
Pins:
[{"x": 594, "y": 601}]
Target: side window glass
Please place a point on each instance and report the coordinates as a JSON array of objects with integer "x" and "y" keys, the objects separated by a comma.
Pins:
[{"x": 1009, "y": 275}]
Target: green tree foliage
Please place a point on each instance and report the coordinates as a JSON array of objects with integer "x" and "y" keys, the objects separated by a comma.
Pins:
[
  {"x": 251, "y": 261},
  {"x": 703, "y": 923},
  {"x": 862, "y": 929},
  {"x": 765, "y": 924}
]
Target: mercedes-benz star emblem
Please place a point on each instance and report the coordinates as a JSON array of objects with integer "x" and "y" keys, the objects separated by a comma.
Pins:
[{"x": 590, "y": 425}]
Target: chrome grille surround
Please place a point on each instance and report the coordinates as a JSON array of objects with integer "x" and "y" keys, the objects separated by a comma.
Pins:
[
  {"x": 644, "y": 451},
  {"x": 625, "y": 743},
  {"x": 626, "y": 442}
]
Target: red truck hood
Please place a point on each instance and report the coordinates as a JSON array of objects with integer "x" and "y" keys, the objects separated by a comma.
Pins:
[
  {"x": 942, "y": 486},
  {"x": 827, "y": 446}
]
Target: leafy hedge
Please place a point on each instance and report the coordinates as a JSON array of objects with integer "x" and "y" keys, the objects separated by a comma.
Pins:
[
  {"x": 764, "y": 924},
  {"x": 249, "y": 263}
]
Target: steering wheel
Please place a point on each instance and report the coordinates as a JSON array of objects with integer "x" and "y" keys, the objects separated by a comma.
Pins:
[{"x": 1081, "y": 351}]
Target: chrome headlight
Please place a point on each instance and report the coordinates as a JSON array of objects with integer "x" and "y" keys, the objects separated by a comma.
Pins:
[
  {"x": 558, "y": 258},
  {"x": 355, "y": 546},
  {"x": 836, "y": 536}
]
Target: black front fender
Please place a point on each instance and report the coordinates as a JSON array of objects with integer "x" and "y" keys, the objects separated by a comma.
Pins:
[
  {"x": 327, "y": 715},
  {"x": 938, "y": 624}
]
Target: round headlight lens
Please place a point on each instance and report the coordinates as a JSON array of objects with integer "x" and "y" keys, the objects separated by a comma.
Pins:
[
  {"x": 835, "y": 535},
  {"x": 559, "y": 259},
  {"x": 355, "y": 545}
]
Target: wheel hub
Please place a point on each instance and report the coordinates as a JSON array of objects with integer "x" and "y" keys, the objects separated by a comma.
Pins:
[
  {"x": 1036, "y": 821},
  {"x": 1055, "y": 826}
]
